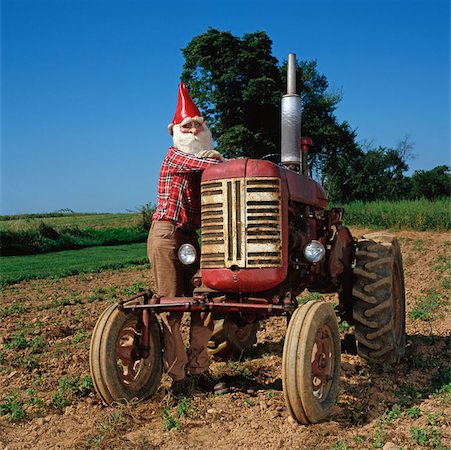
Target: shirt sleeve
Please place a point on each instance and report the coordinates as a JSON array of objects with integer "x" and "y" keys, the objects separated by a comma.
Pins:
[{"x": 180, "y": 162}]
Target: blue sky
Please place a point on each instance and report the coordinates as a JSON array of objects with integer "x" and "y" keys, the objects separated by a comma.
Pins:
[{"x": 89, "y": 86}]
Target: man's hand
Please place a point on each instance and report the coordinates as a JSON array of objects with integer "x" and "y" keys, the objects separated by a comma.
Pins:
[{"x": 210, "y": 154}]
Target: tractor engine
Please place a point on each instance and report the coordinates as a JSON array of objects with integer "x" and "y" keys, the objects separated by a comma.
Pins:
[{"x": 265, "y": 230}]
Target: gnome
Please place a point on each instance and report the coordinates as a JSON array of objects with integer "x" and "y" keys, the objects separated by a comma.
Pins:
[
  {"x": 189, "y": 130},
  {"x": 175, "y": 221}
]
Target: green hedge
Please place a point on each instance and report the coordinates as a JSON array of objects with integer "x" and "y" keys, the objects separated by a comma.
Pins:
[
  {"x": 46, "y": 239},
  {"x": 76, "y": 220}
]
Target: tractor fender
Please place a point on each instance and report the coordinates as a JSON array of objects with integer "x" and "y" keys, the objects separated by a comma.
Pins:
[{"x": 341, "y": 253}]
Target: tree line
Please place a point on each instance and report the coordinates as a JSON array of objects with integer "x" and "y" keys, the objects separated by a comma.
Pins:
[{"x": 238, "y": 85}]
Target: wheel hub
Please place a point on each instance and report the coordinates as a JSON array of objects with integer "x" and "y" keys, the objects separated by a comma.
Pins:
[
  {"x": 322, "y": 363},
  {"x": 128, "y": 354}
]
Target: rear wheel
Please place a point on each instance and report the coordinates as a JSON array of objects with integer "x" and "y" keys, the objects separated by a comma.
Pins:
[
  {"x": 311, "y": 362},
  {"x": 379, "y": 299},
  {"x": 118, "y": 369},
  {"x": 230, "y": 339}
]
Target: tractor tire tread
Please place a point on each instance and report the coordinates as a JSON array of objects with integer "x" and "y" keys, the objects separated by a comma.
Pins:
[
  {"x": 378, "y": 309},
  {"x": 364, "y": 273},
  {"x": 362, "y": 296},
  {"x": 379, "y": 299},
  {"x": 359, "y": 317},
  {"x": 378, "y": 284}
]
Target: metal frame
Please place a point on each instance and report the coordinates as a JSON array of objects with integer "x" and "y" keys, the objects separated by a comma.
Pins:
[{"x": 157, "y": 304}]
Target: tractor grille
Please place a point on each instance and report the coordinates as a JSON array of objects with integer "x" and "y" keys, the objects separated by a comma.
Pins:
[{"x": 241, "y": 223}]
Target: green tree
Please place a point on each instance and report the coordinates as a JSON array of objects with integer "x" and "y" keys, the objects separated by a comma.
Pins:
[
  {"x": 336, "y": 160},
  {"x": 335, "y": 148},
  {"x": 376, "y": 174},
  {"x": 431, "y": 184},
  {"x": 238, "y": 84},
  {"x": 380, "y": 175}
]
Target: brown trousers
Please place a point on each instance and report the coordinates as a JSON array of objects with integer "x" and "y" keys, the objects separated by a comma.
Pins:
[{"x": 173, "y": 279}]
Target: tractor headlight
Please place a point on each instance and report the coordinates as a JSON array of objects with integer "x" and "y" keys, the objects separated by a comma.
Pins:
[
  {"x": 187, "y": 254},
  {"x": 314, "y": 251}
]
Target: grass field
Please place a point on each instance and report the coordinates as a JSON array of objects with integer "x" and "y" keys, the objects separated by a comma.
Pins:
[
  {"x": 71, "y": 262},
  {"x": 420, "y": 215},
  {"x": 409, "y": 215},
  {"x": 80, "y": 220}
]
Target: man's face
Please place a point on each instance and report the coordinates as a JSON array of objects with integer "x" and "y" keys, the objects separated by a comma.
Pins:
[
  {"x": 194, "y": 127},
  {"x": 192, "y": 137}
]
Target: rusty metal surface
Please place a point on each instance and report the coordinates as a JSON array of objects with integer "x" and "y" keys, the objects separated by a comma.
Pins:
[
  {"x": 241, "y": 223},
  {"x": 190, "y": 304},
  {"x": 305, "y": 190},
  {"x": 342, "y": 252}
]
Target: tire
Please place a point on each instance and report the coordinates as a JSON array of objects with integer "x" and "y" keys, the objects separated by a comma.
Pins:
[
  {"x": 229, "y": 339},
  {"x": 311, "y": 362},
  {"x": 118, "y": 373},
  {"x": 379, "y": 305}
]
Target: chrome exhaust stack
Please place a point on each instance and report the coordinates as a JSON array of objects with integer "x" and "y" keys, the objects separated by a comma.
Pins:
[{"x": 291, "y": 120}]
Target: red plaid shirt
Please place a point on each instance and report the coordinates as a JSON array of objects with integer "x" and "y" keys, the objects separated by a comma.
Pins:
[{"x": 179, "y": 188}]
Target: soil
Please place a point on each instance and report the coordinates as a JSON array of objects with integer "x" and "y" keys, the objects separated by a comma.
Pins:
[{"x": 45, "y": 331}]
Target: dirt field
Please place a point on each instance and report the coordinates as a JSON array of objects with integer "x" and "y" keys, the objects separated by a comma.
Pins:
[{"x": 47, "y": 400}]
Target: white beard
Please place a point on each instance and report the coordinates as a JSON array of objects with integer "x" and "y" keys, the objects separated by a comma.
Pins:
[{"x": 188, "y": 143}]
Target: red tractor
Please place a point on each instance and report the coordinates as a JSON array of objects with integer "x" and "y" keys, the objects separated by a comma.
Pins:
[{"x": 267, "y": 235}]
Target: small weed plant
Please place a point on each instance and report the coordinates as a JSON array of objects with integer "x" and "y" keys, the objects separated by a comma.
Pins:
[
  {"x": 111, "y": 423},
  {"x": 79, "y": 336},
  {"x": 360, "y": 438},
  {"x": 13, "y": 407},
  {"x": 414, "y": 412},
  {"x": 270, "y": 393},
  {"x": 407, "y": 395},
  {"x": 238, "y": 368},
  {"x": 427, "y": 437},
  {"x": 379, "y": 435},
  {"x": 304, "y": 298},
  {"x": 14, "y": 309},
  {"x": 392, "y": 415},
  {"x": 427, "y": 306},
  {"x": 340, "y": 445},
  {"x": 169, "y": 421},
  {"x": 105, "y": 428},
  {"x": 133, "y": 290},
  {"x": 70, "y": 386},
  {"x": 21, "y": 341},
  {"x": 184, "y": 407}
]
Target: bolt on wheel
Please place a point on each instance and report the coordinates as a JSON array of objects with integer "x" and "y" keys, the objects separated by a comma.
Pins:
[{"x": 322, "y": 362}]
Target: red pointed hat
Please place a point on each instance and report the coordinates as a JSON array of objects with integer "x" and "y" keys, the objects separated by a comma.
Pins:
[{"x": 186, "y": 109}]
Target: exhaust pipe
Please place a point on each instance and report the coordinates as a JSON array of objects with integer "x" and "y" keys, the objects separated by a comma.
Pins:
[{"x": 291, "y": 119}]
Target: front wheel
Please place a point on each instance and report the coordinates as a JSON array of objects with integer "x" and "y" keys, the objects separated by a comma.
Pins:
[
  {"x": 311, "y": 362},
  {"x": 119, "y": 370}
]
